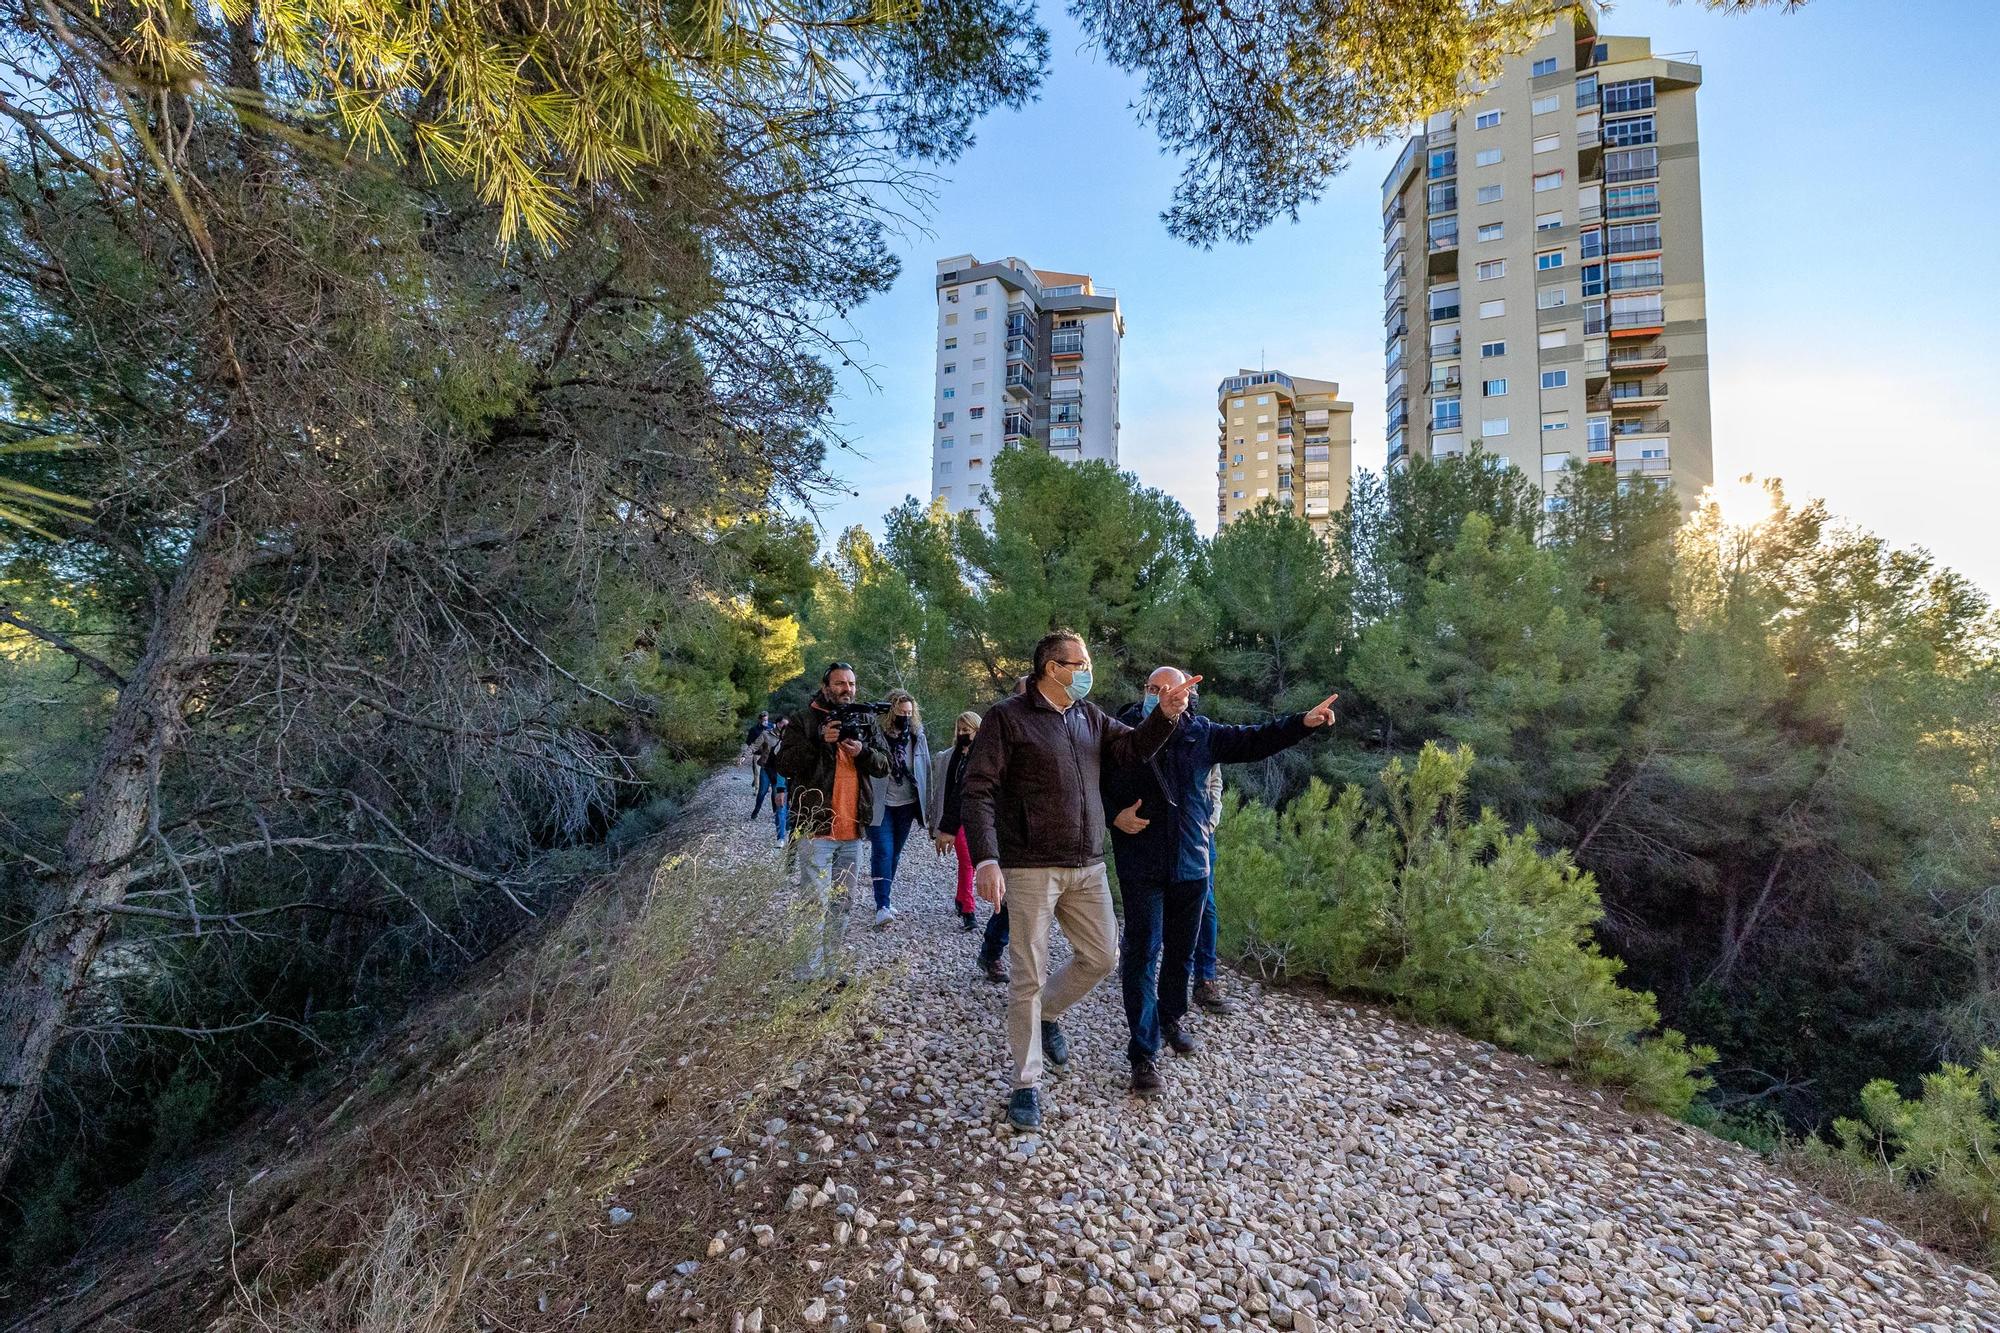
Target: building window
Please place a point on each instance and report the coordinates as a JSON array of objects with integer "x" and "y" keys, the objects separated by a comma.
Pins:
[
  {"x": 1493, "y": 388},
  {"x": 1631, "y": 95},
  {"x": 944, "y": 494},
  {"x": 1493, "y": 349},
  {"x": 977, "y": 439},
  {"x": 1486, "y": 157},
  {"x": 1236, "y": 495},
  {"x": 1236, "y": 476},
  {"x": 1548, "y": 221},
  {"x": 1631, "y": 164},
  {"x": 1493, "y": 426},
  {"x": 951, "y": 319},
  {"x": 946, "y": 442},
  {"x": 1628, "y": 133},
  {"x": 950, "y": 344},
  {"x": 1586, "y": 90},
  {"x": 1550, "y": 297},
  {"x": 978, "y": 388},
  {"x": 976, "y": 413},
  {"x": 1264, "y": 400},
  {"x": 1548, "y": 259},
  {"x": 1555, "y": 421},
  {"x": 975, "y": 463},
  {"x": 1548, "y": 180},
  {"x": 1263, "y": 437},
  {"x": 1553, "y": 338},
  {"x": 1237, "y": 403},
  {"x": 1492, "y": 231},
  {"x": 1489, "y": 194},
  {"x": 950, "y": 417},
  {"x": 951, "y": 367},
  {"x": 951, "y": 393},
  {"x": 1488, "y": 270},
  {"x": 1263, "y": 455},
  {"x": 979, "y": 337},
  {"x": 1555, "y": 379},
  {"x": 1486, "y": 120},
  {"x": 1548, "y": 102},
  {"x": 1545, "y": 66},
  {"x": 1237, "y": 461},
  {"x": 1658, "y": 451},
  {"x": 944, "y": 468},
  {"x": 1548, "y": 143},
  {"x": 1492, "y": 309}
]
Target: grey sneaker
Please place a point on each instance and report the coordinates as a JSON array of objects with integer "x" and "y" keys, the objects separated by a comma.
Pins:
[{"x": 883, "y": 916}]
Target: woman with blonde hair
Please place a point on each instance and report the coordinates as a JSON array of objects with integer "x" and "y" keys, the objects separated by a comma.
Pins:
[
  {"x": 904, "y": 792},
  {"x": 941, "y": 813}
]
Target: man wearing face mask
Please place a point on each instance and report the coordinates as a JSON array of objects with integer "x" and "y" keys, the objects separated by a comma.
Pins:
[
  {"x": 1035, "y": 827},
  {"x": 944, "y": 813},
  {"x": 1161, "y": 814},
  {"x": 831, "y": 782}
]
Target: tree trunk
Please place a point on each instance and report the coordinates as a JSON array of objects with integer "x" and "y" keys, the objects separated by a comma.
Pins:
[{"x": 43, "y": 983}]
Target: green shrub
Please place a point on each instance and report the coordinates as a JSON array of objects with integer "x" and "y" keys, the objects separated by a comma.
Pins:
[
  {"x": 1947, "y": 1140},
  {"x": 182, "y": 1112},
  {"x": 1458, "y": 921},
  {"x": 51, "y": 1220}
]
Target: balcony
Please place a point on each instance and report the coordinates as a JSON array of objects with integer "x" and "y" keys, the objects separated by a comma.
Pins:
[
  {"x": 1446, "y": 382},
  {"x": 1397, "y": 291},
  {"x": 1395, "y": 357},
  {"x": 1439, "y": 138},
  {"x": 1020, "y": 383},
  {"x": 1638, "y": 282},
  {"x": 1066, "y": 387},
  {"x": 1066, "y": 416},
  {"x": 1394, "y": 240},
  {"x": 1284, "y": 425},
  {"x": 1639, "y": 426},
  {"x": 1442, "y": 171},
  {"x": 1624, "y": 322},
  {"x": 1643, "y": 357},
  {"x": 1392, "y": 216},
  {"x": 1445, "y": 311},
  {"x": 1015, "y": 425},
  {"x": 1020, "y": 348},
  {"x": 1440, "y": 200},
  {"x": 1396, "y": 320},
  {"x": 1632, "y": 393},
  {"x": 1446, "y": 351},
  {"x": 1628, "y": 467},
  {"x": 1447, "y": 423},
  {"x": 1066, "y": 345}
]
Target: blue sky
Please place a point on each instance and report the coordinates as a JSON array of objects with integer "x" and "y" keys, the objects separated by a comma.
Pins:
[{"x": 1849, "y": 197}]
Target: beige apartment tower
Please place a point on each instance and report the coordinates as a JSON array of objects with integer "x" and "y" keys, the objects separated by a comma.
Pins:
[
  {"x": 1543, "y": 292},
  {"x": 1282, "y": 439}
]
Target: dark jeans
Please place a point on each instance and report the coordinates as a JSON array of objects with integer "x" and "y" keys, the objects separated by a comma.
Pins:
[
  {"x": 764, "y": 785},
  {"x": 995, "y": 943},
  {"x": 885, "y": 848},
  {"x": 1161, "y": 920},
  {"x": 1204, "y": 938}
]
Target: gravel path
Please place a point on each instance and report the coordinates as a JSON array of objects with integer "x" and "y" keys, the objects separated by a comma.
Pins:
[{"x": 1315, "y": 1167}]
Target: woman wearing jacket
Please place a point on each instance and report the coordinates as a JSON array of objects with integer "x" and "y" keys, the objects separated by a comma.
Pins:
[
  {"x": 941, "y": 812},
  {"x": 904, "y": 796}
]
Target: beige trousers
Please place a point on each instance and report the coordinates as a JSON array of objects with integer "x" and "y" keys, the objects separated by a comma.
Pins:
[{"x": 1079, "y": 898}]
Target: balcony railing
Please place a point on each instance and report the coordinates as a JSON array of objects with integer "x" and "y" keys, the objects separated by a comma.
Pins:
[
  {"x": 1447, "y": 423},
  {"x": 1445, "y": 311},
  {"x": 1637, "y": 282},
  {"x": 1284, "y": 425},
  {"x": 1066, "y": 386},
  {"x": 1652, "y": 355},
  {"x": 1441, "y": 351},
  {"x": 1392, "y": 216},
  {"x": 1630, "y": 466},
  {"x": 1639, "y": 172},
  {"x": 1445, "y": 383},
  {"x": 1648, "y": 209},
  {"x": 1626, "y": 390},
  {"x": 1636, "y": 319},
  {"x": 1632, "y": 245},
  {"x": 1020, "y": 383},
  {"x": 1640, "y": 426},
  {"x": 1446, "y": 241},
  {"x": 1014, "y": 425},
  {"x": 1441, "y": 201}
]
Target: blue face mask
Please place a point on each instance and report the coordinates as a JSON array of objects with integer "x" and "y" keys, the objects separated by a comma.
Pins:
[
  {"x": 1148, "y": 704},
  {"x": 1079, "y": 684}
]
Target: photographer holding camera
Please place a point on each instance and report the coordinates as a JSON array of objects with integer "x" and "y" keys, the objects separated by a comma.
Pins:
[{"x": 831, "y": 757}]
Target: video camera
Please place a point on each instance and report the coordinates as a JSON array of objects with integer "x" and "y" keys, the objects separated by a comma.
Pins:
[{"x": 855, "y": 718}]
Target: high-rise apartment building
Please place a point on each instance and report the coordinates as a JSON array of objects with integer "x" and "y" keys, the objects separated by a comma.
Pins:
[
  {"x": 1544, "y": 290},
  {"x": 1022, "y": 354},
  {"x": 1282, "y": 438}
]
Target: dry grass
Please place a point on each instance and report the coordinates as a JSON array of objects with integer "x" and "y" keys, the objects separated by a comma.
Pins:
[
  {"x": 648, "y": 1030},
  {"x": 1926, "y": 1216}
]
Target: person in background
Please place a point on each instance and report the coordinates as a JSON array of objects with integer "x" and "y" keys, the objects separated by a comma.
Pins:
[
  {"x": 830, "y": 780},
  {"x": 758, "y": 731},
  {"x": 993, "y": 946},
  {"x": 1208, "y": 992},
  {"x": 1162, "y": 817},
  {"x": 943, "y": 812},
  {"x": 903, "y": 796},
  {"x": 762, "y": 753},
  {"x": 1035, "y": 824}
]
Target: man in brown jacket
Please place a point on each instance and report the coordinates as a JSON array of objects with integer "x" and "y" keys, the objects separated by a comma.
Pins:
[{"x": 1034, "y": 823}]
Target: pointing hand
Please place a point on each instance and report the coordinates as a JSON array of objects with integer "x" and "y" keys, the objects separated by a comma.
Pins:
[
  {"x": 1322, "y": 716},
  {"x": 1174, "y": 698}
]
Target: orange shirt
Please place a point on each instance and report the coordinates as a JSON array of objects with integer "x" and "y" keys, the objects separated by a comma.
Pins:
[{"x": 846, "y": 791}]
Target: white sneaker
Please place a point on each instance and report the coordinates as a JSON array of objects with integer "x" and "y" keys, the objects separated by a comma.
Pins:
[{"x": 883, "y": 916}]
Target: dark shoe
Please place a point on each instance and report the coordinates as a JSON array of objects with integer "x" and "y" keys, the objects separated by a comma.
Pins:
[
  {"x": 1210, "y": 997},
  {"x": 970, "y": 920},
  {"x": 1024, "y": 1109},
  {"x": 1055, "y": 1046},
  {"x": 1145, "y": 1077},
  {"x": 996, "y": 971},
  {"x": 1182, "y": 1043}
]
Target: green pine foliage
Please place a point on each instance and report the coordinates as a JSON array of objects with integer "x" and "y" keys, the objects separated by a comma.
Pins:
[{"x": 1453, "y": 918}]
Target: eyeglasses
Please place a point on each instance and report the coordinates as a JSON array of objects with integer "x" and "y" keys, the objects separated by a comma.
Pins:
[{"x": 1061, "y": 662}]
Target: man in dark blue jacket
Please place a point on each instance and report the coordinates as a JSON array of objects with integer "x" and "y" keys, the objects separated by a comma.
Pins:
[{"x": 1159, "y": 813}]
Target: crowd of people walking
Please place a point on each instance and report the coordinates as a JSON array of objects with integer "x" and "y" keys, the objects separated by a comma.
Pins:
[{"x": 1022, "y": 799}]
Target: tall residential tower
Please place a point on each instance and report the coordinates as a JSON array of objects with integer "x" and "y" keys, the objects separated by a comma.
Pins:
[
  {"x": 1282, "y": 438},
  {"x": 1544, "y": 291},
  {"x": 1022, "y": 354}
]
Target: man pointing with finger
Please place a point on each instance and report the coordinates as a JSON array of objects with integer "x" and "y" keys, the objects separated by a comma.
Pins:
[
  {"x": 1035, "y": 828},
  {"x": 1160, "y": 814}
]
